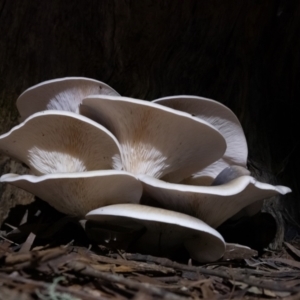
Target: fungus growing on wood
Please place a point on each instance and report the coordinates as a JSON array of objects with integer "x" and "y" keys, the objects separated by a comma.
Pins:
[{"x": 89, "y": 149}]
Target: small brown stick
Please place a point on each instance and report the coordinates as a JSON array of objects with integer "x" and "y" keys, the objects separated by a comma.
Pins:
[
  {"x": 43, "y": 285},
  {"x": 144, "y": 287},
  {"x": 237, "y": 277}
]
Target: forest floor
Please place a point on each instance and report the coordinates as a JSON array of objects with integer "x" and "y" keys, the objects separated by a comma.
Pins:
[{"x": 58, "y": 262}]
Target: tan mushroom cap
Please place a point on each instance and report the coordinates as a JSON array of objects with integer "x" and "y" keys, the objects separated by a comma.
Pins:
[
  {"x": 78, "y": 193},
  {"x": 60, "y": 94},
  {"x": 156, "y": 140},
  {"x": 224, "y": 120},
  {"x": 212, "y": 204},
  {"x": 60, "y": 141},
  {"x": 165, "y": 230}
]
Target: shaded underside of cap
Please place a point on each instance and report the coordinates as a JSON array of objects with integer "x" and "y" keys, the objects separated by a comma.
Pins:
[
  {"x": 220, "y": 117},
  {"x": 78, "y": 193},
  {"x": 165, "y": 230}
]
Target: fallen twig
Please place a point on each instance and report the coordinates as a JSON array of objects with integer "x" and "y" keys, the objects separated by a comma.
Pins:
[
  {"x": 144, "y": 287},
  {"x": 226, "y": 275},
  {"x": 9, "y": 280}
]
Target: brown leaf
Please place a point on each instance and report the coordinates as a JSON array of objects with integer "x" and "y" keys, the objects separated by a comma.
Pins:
[
  {"x": 207, "y": 290},
  {"x": 238, "y": 252}
]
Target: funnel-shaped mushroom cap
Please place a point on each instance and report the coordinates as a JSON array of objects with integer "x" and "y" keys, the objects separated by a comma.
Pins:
[
  {"x": 224, "y": 120},
  {"x": 156, "y": 140},
  {"x": 60, "y": 94},
  {"x": 59, "y": 141},
  {"x": 78, "y": 193},
  {"x": 165, "y": 230},
  {"x": 212, "y": 204}
]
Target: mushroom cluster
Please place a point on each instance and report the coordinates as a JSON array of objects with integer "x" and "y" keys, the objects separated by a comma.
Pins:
[{"x": 173, "y": 169}]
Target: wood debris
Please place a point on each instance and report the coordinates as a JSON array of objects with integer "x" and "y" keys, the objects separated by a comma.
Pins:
[{"x": 37, "y": 266}]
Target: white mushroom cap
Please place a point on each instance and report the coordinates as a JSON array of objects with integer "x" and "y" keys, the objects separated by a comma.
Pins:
[
  {"x": 212, "y": 204},
  {"x": 165, "y": 230},
  {"x": 78, "y": 193},
  {"x": 156, "y": 140},
  {"x": 225, "y": 121},
  {"x": 229, "y": 174},
  {"x": 60, "y": 94},
  {"x": 60, "y": 141}
]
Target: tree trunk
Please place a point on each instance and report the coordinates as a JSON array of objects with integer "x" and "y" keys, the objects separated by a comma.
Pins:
[{"x": 244, "y": 54}]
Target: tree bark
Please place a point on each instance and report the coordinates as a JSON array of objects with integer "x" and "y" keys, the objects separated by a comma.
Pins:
[{"x": 244, "y": 54}]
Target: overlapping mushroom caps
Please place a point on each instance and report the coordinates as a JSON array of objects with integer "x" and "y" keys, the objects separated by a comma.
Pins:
[
  {"x": 95, "y": 148},
  {"x": 60, "y": 94},
  {"x": 166, "y": 230},
  {"x": 73, "y": 160}
]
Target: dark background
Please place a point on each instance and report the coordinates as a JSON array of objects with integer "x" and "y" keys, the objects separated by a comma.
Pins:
[{"x": 244, "y": 54}]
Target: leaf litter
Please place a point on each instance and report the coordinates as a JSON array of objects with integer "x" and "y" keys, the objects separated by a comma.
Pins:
[{"x": 46, "y": 255}]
